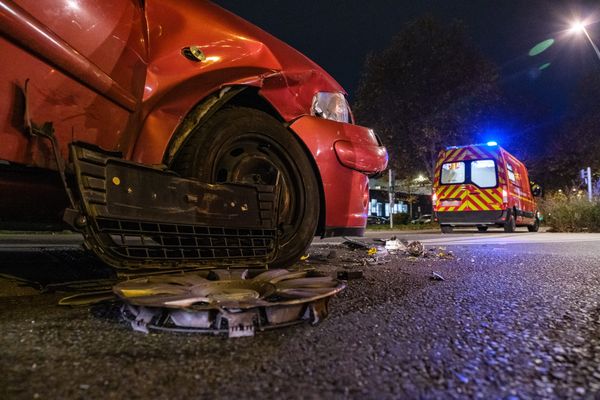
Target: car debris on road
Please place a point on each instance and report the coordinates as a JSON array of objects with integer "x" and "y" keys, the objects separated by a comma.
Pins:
[
  {"x": 234, "y": 305},
  {"x": 436, "y": 276}
]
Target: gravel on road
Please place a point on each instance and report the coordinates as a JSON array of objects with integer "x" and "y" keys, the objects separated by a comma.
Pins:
[{"x": 508, "y": 321}]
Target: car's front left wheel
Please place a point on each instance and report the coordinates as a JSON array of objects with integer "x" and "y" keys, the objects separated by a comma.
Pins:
[{"x": 245, "y": 145}]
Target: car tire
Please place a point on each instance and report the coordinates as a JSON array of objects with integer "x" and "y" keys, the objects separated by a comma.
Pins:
[
  {"x": 446, "y": 228},
  {"x": 535, "y": 227},
  {"x": 245, "y": 145},
  {"x": 482, "y": 228},
  {"x": 510, "y": 225}
]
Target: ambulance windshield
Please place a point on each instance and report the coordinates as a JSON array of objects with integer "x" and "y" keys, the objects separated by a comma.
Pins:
[{"x": 483, "y": 173}]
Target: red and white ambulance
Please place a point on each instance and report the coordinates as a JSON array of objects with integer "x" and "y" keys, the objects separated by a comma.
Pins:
[{"x": 483, "y": 185}]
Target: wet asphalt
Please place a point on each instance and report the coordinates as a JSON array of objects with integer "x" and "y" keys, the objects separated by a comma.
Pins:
[{"x": 510, "y": 321}]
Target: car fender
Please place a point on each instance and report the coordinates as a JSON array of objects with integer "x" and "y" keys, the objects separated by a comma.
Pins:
[{"x": 233, "y": 52}]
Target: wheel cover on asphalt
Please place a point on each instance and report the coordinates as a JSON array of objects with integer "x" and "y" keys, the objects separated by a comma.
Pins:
[{"x": 234, "y": 305}]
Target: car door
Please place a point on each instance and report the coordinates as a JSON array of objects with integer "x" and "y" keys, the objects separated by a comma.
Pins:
[{"x": 78, "y": 65}]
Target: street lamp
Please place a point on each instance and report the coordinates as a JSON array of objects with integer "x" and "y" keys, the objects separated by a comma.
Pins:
[{"x": 578, "y": 27}]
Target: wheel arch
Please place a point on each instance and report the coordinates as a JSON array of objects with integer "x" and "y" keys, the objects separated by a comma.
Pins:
[{"x": 240, "y": 96}]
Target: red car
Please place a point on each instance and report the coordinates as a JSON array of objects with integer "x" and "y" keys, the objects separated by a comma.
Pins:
[{"x": 160, "y": 126}]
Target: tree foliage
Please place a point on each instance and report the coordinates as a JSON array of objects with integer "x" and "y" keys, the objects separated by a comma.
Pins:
[
  {"x": 577, "y": 145},
  {"x": 430, "y": 88}
]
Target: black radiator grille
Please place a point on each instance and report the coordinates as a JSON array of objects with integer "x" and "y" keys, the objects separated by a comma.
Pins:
[{"x": 139, "y": 240}]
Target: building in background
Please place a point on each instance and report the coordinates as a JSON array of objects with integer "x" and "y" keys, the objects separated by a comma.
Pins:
[{"x": 411, "y": 196}]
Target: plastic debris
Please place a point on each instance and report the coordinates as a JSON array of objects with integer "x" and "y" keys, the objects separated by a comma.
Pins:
[
  {"x": 372, "y": 251},
  {"x": 415, "y": 249},
  {"x": 305, "y": 257},
  {"x": 235, "y": 303},
  {"x": 436, "y": 276},
  {"x": 394, "y": 245},
  {"x": 445, "y": 254},
  {"x": 355, "y": 244}
]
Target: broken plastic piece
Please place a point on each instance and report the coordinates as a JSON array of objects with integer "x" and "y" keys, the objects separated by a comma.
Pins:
[
  {"x": 394, "y": 245},
  {"x": 355, "y": 244},
  {"x": 231, "y": 303},
  {"x": 436, "y": 276},
  {"x": 415, "y": 249}
]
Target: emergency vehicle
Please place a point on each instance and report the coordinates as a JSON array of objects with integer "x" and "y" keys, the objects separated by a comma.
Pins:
[{"x": 483, "y": 185}]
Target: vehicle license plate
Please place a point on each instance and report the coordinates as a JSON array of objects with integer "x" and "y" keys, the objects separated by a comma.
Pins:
[{"x": 450, "y": 203}]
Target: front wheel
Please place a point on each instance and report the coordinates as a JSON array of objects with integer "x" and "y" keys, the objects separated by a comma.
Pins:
[
  {"x": 446, "y": 228},
  {"x": 245, "y": 145},
  {"x": 535, "y": 227}
]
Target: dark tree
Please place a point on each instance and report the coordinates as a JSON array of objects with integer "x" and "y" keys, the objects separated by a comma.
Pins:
[
  {"x": 429, "y": 89},
  {"x": 577, "y": 144}
]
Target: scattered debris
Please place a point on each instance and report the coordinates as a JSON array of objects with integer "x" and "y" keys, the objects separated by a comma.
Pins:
[
  {"x": 87, "y": 298},
  {"x": 332, "y": 254},
  {"x": 236, "y": 306},
  {"x": 355, "y": 244},
  {"x": 372, "y": 251},
  {"x": 394, "y": 245},
  {"x": 415, "y": 249},
  {"x": 436, "y": 276},
  {"x": 305, "y": 257},
  {"x": 349, "y": 275}
]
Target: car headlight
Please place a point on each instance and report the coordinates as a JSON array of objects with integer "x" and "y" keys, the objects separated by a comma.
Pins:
[{"x": 331, "y": 106}]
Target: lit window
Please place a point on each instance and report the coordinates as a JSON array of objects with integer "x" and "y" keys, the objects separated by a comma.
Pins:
[
  {"x": 483, "y": 173},
  {"x": 453, "y": 173},
  {"x": 511, "y": 173}
]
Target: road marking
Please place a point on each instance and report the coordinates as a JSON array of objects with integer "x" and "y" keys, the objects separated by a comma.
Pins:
[{"x": 514, "y": 238}]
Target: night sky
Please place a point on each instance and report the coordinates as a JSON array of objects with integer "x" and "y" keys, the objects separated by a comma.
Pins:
[{"x": 338, "y": 34}]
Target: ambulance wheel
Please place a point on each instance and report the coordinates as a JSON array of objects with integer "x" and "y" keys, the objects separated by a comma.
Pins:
[
  {"x": 244, "y": 145},
  {"x": 482, "y": 228},
  {"x": 446, "y": 228},
  {"x": 535, "y": 227},
  {"x": 510, "y": 225}
]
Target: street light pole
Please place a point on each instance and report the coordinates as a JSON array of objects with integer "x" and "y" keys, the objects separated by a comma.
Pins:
[
  {"x": 592, "y": 42},
  {"x": 391, "y": 195},
  {"x": 580, "y": 27}
]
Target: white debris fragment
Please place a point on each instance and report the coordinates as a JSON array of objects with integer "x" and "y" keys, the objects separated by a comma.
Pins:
[
  {"x": 436, "y": 276},
  {"x": 394, "y": 245}
]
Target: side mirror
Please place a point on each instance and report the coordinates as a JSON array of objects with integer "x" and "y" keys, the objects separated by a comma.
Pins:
[{"x": 536, "y": 190}]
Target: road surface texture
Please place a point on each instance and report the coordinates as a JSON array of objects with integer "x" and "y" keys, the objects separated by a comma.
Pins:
[{"x": 516, "y": 317}]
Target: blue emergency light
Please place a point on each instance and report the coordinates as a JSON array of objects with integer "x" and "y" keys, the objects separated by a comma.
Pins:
[{"x": 492, "y": 143}]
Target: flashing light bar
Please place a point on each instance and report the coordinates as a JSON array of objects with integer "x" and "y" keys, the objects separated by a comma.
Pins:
[{"x": 491, "y": 143}]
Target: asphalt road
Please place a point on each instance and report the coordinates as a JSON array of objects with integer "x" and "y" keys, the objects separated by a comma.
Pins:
[{"x": 517, "y": 316}]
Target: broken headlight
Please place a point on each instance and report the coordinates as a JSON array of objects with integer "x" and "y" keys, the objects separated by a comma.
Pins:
[{"x": 331, "y": 106}]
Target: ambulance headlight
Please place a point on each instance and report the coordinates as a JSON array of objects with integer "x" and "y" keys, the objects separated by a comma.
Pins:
[{"x": 331, "y": 106}]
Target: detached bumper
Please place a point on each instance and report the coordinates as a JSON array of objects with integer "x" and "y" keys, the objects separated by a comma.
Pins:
[{"x": 345, "y": 155}]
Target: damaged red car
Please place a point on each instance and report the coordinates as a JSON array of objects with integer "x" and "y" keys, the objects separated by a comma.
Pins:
[{"x": 174, "y": 133}]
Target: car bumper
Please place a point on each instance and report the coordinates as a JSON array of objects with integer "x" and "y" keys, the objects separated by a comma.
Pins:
[
  {"x": 471, "y": 218},
  {"x": 345, "y": 155}
]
